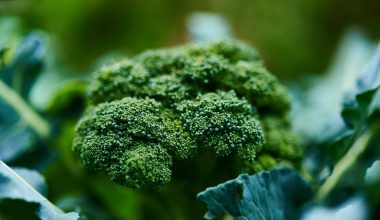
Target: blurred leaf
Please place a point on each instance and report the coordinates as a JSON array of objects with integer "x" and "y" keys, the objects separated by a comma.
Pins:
[
  {"x": 15, "y": 139},
  {"x": 68, "y": 99},
  {"x": 15, "y": 187},
  {"x": 19, "y": 123},
  {"x": 10, "y": 29},
  {"x": 86, "y": 206},
  {"x": 354, "y": 151},
  {"x": 34, "y": 178},
  {"x": 354, "y": 209},
  {"x": 339, "y": 146},
  {"x": 26, "y": 64},
  {"x": 318, "y": 100},
  {"x": 268, "y": 195},
  {"x": 358, "y": 107}
]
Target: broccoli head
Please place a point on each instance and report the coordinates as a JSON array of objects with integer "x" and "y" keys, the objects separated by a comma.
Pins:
[{"x": 161, "y": 106}]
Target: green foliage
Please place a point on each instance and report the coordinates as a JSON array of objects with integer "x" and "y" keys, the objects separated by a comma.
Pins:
[
  {"x": 170, "y": 104},
  {"x": 269, "y": 195},
  {"x": 23, "y": 132},
  {"x": 355, "y": 149},
  {"x": 15, "y": 187},
  {"x": 19, "y": 67}
]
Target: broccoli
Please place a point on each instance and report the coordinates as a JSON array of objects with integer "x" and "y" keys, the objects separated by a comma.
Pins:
[{"x": 147, "y": 113}]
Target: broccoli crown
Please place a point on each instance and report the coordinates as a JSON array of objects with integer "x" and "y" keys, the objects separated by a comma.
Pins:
[{"x": 165, "y": 105}]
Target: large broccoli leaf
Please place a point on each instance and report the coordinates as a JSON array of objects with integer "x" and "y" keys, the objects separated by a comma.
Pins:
[
  {"x": 356, "y": 149},
  {"x": 358, "y": 106},
  {"x": 34, "y": 178},
  {"x": 268, "y": 195},
  {"x": 19, "y": 124},
  {"x": 361, "y": 102},
  {"x": 15, "y": 187}
]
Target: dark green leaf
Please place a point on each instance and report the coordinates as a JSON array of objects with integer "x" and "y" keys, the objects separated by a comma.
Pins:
[
  {"x": 20, "y": 126},
  {"x": 268, "y": 195},
  {"x": 352, "y": 153},
  {"x": 15, "y": 187},
  {"x": 26, "y": 64},
  {"x": 358, "y": 106},
  {"x": 15, "y": 140},
  {"x": 70, "y": 94}
]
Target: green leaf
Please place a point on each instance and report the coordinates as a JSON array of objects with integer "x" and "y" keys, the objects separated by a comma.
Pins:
[
  {"x": 34, "y": 178},
  {"x": 15, "y": 139},
  {"x": 268, "y": 195},
  {"x": 20, "y": 126},
  {"x": 354, "y": 151},
  {"x": 70, "y": 93},
  {"x": 15, "y": 187},
  {"x": 358, "y": 106},
  {"x": 26, "y": 64}
]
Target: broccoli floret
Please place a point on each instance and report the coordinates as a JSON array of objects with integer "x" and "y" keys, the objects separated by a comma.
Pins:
[
  {"x": 279, "y": 140},
  {"x": 261, "y": 88},
  {"x": 223, "y": 122},
  {"x": 117, "y": 81},
  {"x": 113, "y": 137},
  {"x": 160, "y": 107}
]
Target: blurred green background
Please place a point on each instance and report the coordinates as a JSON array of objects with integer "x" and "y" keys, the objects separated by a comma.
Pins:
[{"x": 293, "y": 36}]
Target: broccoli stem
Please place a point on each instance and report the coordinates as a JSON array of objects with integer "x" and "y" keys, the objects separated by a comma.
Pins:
[
  {"x": 344, "y": 165},
  {"x": 35, "y": 121}
]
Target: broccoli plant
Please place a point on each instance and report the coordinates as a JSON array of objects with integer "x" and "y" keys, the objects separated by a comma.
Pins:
[{"x": 162, "y": 107}]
